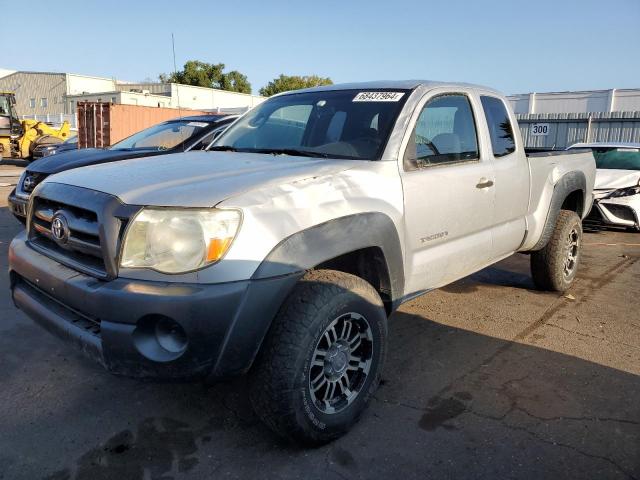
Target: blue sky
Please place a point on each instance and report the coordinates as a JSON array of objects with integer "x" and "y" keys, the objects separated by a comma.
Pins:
[{"x": 515, "y": 46}]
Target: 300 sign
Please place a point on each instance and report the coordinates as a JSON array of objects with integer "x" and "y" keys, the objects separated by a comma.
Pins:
[{"x": 540, "y": 129}]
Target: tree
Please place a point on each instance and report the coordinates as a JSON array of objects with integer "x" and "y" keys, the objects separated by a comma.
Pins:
[
  {"x": 236, "y": 82},
  {"x": 293, "y": 82},
  {"x": 202, "y": 74}
]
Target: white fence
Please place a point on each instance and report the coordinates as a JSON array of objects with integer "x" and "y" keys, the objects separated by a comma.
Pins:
[
  {"x": 55, "y": 120},
  {"x": 560, "y": 130}
]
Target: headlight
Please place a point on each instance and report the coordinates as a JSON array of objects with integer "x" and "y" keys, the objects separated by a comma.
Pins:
[
  {"x": 625, "y": 192},
  {"x": 178, "y": 240}
]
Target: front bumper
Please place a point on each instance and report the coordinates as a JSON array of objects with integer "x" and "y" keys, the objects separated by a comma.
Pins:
[
  {"x": 18, "y": 206},
  {"x": 617, "y": 212},
  {"x": 112, "y": 321}
]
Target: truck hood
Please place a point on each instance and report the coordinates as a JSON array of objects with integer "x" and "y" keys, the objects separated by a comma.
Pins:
[
  {"x": 69, "y": 159},
  {"x": 196, "y": 179},
  {"x": 614, "y": 179}
]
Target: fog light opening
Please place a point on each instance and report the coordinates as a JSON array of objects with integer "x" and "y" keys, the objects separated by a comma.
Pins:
[
  {"x": 171, "y": 336},
  {"x": 160, "y": 338}
]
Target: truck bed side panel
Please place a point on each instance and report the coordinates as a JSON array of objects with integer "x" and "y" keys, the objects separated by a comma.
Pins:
[{"x": 547, "y": 170}]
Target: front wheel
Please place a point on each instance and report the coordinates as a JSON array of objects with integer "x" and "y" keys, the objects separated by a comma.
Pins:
[
  {"x": 554, "y": 268},
  {"x": 322, "y": 358}
]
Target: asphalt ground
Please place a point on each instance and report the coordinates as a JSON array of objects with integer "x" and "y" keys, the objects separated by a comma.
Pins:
[{"x": 486, "y": 378}]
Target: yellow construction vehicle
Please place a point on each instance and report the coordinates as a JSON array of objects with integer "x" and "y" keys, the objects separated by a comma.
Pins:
[{"x": 18, "y": 137}]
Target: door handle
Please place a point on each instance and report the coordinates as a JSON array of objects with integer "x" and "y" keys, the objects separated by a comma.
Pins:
[{"x": 484, "y": 183}]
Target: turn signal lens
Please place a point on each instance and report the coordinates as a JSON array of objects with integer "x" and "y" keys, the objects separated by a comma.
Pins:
[{"x": 217, "y": 248}]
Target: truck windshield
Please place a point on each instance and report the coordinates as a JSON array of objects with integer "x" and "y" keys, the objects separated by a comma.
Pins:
[
  {"x": 162, "y": 137},
  {"x": 617, "y": 158},
  {"x": 351, "y": 124},
  {"x": 4, "y": 106}
]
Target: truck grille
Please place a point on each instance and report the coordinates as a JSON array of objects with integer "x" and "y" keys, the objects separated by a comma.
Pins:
[
  {"x": 80, "y": 246},
  {"x": 77, "y": 227}
]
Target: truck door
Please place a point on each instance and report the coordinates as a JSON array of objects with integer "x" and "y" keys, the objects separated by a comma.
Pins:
[
  {"x": 511, "y": 172},
  {"x": 448, "y": 193}
]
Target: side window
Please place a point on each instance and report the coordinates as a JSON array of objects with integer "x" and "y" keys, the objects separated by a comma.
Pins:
[
  {"x": 445, "y": 133},
  {"x": 500, "y": 129}
]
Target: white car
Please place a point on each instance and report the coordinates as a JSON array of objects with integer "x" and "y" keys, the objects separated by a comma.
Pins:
[{"x": 617, "y": 188}]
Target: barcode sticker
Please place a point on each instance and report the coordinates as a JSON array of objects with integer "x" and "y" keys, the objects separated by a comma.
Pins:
[
  {"x": 197, "y": 124},
  {"x": 378, "y": 96}
]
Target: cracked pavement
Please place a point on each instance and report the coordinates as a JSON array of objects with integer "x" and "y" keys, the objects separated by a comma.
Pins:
[{"x": 486, "y": 378}]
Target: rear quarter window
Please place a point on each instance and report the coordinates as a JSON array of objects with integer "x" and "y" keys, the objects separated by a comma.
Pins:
[{"x": 500, "y": 128}]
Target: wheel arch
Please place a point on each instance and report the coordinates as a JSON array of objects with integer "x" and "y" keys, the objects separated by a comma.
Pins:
[
  {"x": 364, "y": 244},
  {"x": 568, "y": 194},
  {"x": 344, "y": 244}
]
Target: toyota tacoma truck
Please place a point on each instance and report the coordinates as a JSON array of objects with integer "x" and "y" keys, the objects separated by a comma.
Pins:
[{"x": 283, "y": 250}]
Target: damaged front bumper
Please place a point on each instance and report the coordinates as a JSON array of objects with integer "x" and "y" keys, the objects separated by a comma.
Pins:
[
  {"x": 616, "y": 211},
  {"x": 144, "y": 328}
]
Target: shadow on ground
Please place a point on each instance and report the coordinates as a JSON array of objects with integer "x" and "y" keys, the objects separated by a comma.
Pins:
[
  {"x": 14, "y": 161},
  {"x": 453, "y": 404}
]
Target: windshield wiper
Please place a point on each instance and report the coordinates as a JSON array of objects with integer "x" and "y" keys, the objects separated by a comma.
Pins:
[
  {"x": 132, "y": 149},
  {"x": 223, "y": 148},
  {"x": 281, "y": 151},
  {"x": 290, "y": 151}
]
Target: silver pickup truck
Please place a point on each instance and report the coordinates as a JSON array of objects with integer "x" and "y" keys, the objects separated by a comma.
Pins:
[{"x": 283, "y": 251}]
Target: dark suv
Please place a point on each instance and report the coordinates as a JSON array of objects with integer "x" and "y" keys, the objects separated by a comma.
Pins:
[{"x": 178, "y": 135}]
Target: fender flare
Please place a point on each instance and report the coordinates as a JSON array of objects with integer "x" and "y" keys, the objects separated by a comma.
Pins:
[
  {"x": 569, "y": 183},
  {"x": 278, "y": 274},
  {"x": 310, "y": 247}
]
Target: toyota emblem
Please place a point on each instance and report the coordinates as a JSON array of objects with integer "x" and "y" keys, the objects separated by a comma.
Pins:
[
  {"x": 28, "y": 183},
  {"x": 60, "y": 228}
]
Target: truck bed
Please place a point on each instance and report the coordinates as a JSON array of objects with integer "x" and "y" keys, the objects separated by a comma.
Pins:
[{"x": 546, "y": 171}]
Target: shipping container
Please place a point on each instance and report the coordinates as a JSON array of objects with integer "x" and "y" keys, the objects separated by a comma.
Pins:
[{"x": 101, "y": 124}]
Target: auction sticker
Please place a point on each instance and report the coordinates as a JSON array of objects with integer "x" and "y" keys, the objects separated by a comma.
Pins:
[
  {"x": 378, "y": 96},
  {"x": 197, "y": 124}
]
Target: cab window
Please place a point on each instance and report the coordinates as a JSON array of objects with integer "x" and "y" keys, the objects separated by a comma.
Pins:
[
  {"x": 444, "y": 133},
  {"x": 500, "y": 129}
]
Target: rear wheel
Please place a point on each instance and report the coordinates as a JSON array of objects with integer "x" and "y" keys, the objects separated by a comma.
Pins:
[
  {"x": 322, "y": 359},
  {"x": 555, "y": 267}
]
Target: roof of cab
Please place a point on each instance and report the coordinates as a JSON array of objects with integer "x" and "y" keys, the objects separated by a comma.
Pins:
[
  {"x": 391, "y": 84},
  {"x": 605, "y": 145}
]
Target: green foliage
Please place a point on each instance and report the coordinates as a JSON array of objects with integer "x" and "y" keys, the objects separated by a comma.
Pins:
[
  {"x": 202, "y": 74},
  {"x": 236, "y": 82},
  {"x": 293, "y": 82}
]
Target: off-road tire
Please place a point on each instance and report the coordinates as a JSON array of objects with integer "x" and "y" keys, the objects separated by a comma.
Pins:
[
  {"x": 548, "y": 265},
  {"x": 279, "y": 382}
]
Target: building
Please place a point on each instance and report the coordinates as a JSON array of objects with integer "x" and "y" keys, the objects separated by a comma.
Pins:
[
  {"x": 556, "y": 120},
  {"x": 45, "y": 93},
  {"x": 172, "y": 95},
  {"x": 53, "y": 97},
  {"x": 4, "y": 72}
]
